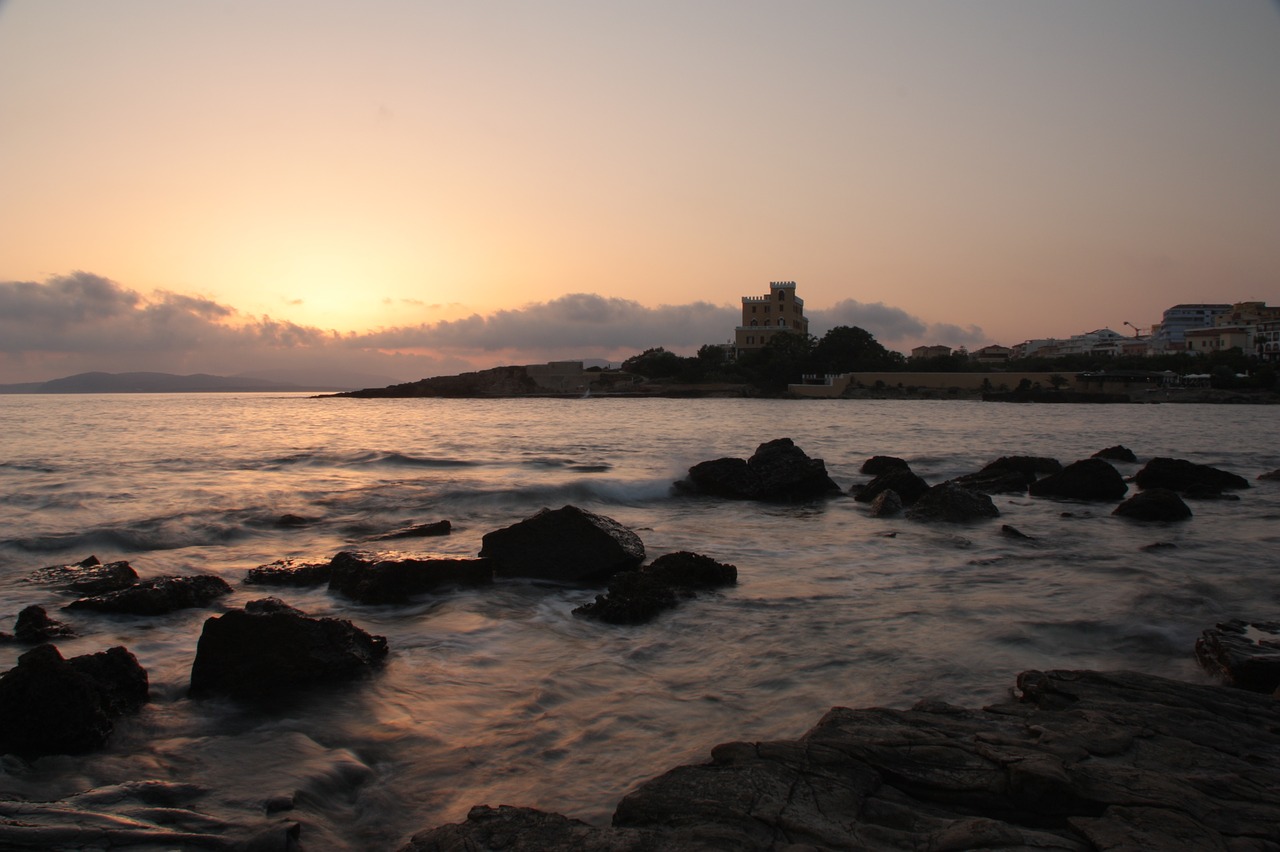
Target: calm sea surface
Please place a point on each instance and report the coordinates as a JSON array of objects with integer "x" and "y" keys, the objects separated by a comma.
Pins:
[{"x": 500, "y": 695}]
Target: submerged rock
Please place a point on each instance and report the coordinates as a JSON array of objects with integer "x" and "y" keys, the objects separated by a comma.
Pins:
[
  {"x": 635, "y": 597},
  {"x": 378, "y": 578},
  {"x": 953, "y": 504},
  {"x": 1081, "y": 761},
  {"x": 886, "y": 504},
  {"x": 1009, "y": 474},
  {"x": 1244, "y": 654},
  {"x": 778, "y": 471},
  {"x": 1187, "y": 477},
  {"x": 435, "y": 528},
  {"x": 567, "y": 545},
  {"x": 158, "y": 595},
  {"x": 877, "y": 465},
  {"x": 1154, "y": 504},
  {"x": 908, "y": 486},
  {"x": 88, "y": 577},
  {"x": 1118, "y": 453},
  {"x": 1273, "y": 475},
  {"x": 287, "y": 572},
  {"x": 51, "y": 705},
  {"x": 35, "y": 626},
  {"x": 269, "y": 649},
  {"x": 1087, "y": 479}
]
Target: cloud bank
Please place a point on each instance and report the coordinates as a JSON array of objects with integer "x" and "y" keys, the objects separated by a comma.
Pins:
[{"x": 81, "y": 322}]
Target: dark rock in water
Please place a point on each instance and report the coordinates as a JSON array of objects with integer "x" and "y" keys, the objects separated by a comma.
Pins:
[
  {"x": 49, "y": 705},
  {"x": 1087, "y": 479},
  {"x": 89, "y": 577},
  {"x": 1013, "y": 532},
  {"x": 436, "y": 528},
  {"x": 1118, "y": 453},
  {"x": 886, "y": 504},
  {"x": 287, "y": 572},
  {"x": 910, "y": 487},
  {"x": 952, "y": 503},
  {"x": 1009, "y": 474},
  {"x": 877, "y": 465},
  {"x": 1081, "y": 761},
  {"x": 778, "y": 471},
  {"x": 567, "y": 545},
  {"x": 635, "y": 597},
  {"x": 158, "y": 595},
  {"x": 288, "y": 520},
  {"x": 379, "y": 578},
  {"x": 35, "y": 626},
  {"x": 269, "y": 650},
  {"x": 1273, "y": 475},
  {"x": 1154, "y": 504},
  {"x": 1209, "y": 493},
  {"x": 1244, "y": 654},
  {"x": 685, "y": 570},
  {"x": 1159, "y": 545},
  {"x": 1183, "y": 475}
]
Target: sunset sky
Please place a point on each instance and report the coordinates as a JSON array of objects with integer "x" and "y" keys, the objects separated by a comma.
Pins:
[{"x": 404, "y": 187}]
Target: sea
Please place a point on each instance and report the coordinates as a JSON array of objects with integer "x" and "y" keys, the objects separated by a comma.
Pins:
[{"x": 500, "y": 695}]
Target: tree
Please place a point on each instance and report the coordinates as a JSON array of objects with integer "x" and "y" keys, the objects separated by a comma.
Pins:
[
  {"x": 655, "y": 363},
  {"x": 848, "y": 349}
]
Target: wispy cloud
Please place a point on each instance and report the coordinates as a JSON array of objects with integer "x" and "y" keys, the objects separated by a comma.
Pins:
[{"x": 892, "y": 326}]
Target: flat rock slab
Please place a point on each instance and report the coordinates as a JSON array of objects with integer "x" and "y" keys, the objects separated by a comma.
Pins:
[
  {"x": 88, "y": 577},
  {"x": 378, "y": 578},
  {"x": 1081, "y": 761},
  {"x": 158, "y": 595},
  {"x": 289, "y": 573}
]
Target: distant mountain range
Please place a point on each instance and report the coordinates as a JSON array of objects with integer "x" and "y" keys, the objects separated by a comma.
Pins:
[{"x": 197, "y": 383}]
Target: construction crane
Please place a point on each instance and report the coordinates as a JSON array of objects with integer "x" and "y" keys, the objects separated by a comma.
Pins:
[{"x": 1137, "y": 332}]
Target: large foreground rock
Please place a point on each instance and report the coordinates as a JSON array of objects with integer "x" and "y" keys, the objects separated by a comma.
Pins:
[
  {"x": 1187, "y": 477},
  {"x": 158, "y": 595},
  {"x": 567, "y": 545},
  {"x": 1087, "y": 479},
  {"x": 778, "y": 471},
  {"x": 378, "y": 578},
  {"x": 269, "y": 649},
  {"x": 50, "y": 705},
  {"x": 1081, "y": 761}
]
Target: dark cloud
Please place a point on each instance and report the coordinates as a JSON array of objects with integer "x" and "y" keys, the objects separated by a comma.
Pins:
[
  {"x": 892, "y": 326},
  {"x": 81, "y": 322}
]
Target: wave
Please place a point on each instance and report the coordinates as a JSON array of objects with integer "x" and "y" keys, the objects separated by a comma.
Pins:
[
  {"x": 33, "y": 466},
  {"x": 364, "y": 458},
  {"x": 597, "y": 491},
  {"x": 169, "y": 532}
]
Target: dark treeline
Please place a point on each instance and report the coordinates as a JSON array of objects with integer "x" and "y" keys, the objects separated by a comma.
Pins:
[{"x": 849, "y": 349}]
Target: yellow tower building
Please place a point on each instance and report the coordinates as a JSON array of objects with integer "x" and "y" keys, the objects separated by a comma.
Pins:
[{"x": 765, "y": 316}]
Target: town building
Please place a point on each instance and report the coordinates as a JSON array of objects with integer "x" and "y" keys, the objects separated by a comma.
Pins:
[
  {"x": 1220, "y": 338},
  {"x": 1169, "y": 335},
  {"x": 931, "y": 352},
  {"x": 992, "y": 354},
  {"x": 1266, "y": 341},
  {"x": 764, "y": 316}
]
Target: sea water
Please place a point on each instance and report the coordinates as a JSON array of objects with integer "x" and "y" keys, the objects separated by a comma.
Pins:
[{"x": 499, "y": 695}]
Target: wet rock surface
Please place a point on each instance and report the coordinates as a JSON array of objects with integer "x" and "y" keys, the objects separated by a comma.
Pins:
[
  {"x": 1244, "y": 654},
  {"x": 566, "y": 545},
  {"x": 51, "y": 705},
  {"x": 270, "y": 650},
  {"x": 1087, "y": 479},
  {"x": 290, "y": 573},
  {"x": 1118, "y": 453},
  {"x": 1080, "y": 761},
  {"x": 35, "y": 626},
  {"x": 158, "y": 595},
  {"x": 378, "y": 578},
  {"x": 777, "y": 471},
  {"x": 877, "y": 465},
  {"x": 88, "y": 577},
  {"x": 429, "y": 530},
  {"x": 1154, "y": 504}
]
